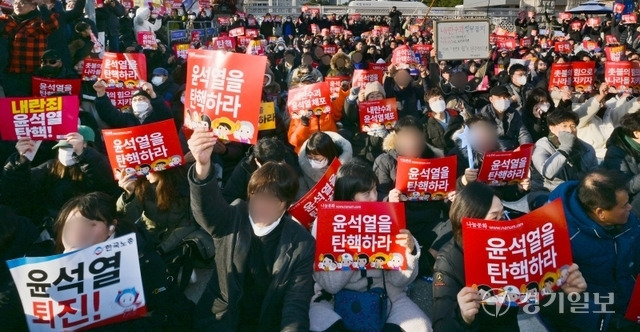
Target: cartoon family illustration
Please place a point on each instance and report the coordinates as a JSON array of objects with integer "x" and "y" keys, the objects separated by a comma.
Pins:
[
  {"x": 225, "y": 128},
  {"x": 417, "y": 196},
  {"x": 157, "y": 166},
  {"x": 360, "y": 261},
  {"x": 528, "y": 293}
]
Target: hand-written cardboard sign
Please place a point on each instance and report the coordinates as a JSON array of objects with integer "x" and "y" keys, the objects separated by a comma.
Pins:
[
  {"x": 462, "y": 39},
  {"x": 311, "y": 97},
  {"x": 38, "y": 118},
  {"x": 218, "y": 86},
  {"x": 512, "y": 262},
  {"x": 306, "y": 209},
  {"x": 143, "y": 149},
  {"x": 426, "y": 179},
  {"x": 88, "y": 288},
  {"x": 359, "y": 236},
  {"x": 44, "y": 87},
  {"x": 124, "y": 68},
  {"x": 502, "y": 168},
  {"x": 378, "y": 114}
]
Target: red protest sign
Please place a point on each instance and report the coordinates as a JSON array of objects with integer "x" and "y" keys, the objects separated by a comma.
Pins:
[
  {"x": 147, "y": 40},
  {"x": 181, "y": 50},
  {"x": 384, "y": 29},
  {"x": 43, "y": 87},
  {"x": 611, "y": 39},
  {"x": 618, "y": 8},
  {"x": 336, "y": 30},
  {"x": 615, "y": 53},
  {"x": 143, "y": 149},
  {"x": 378, "y": 114},
  {"x": 564, "y": 16},
  {"x": 583, "y": 74},
  {"x": 251, "y": 21},
  {"x": 560, "y": 75},
  {"x": 239, "y": 31},
  {"x": 633, "y": 309},
  {"x": 91, "y": 69},
  {"x": 414, "y": 28},
  {"x": 120, "y": 97},
  {"x": 518, "y": 259},
  {"x": 124, "y": 67},
  {"x": 403, "y": 57},
  {"x": 635, "y": 76},
  {"x": 426, "y": 179},
  {"x": 563, "y": 47},
  {"x": 306, "y": 209},
  {"x": 204, "y": 4},
  {"x": 422, "y": 49},
  {"x": 253, "y": 33},
  {"x": 526, "y": 41},
  {"x": 576, "y": 25},
  {"x": 501, "y": 168},
  {"x": 243, "y": 41},
  {"x": 382, "y": 67},
  {"x": 359, "y": 236},
  {"x": 589, "y": 45},
  {"x": 629, "y": 19},
  {"x": 315, "y": 29},
  {"x": 38, "y": 118},
  {"x": 363, "y": 76},
  {"x": 224, "y": 20},
  {"x": 214, "y": 93},
  {"x": 593, "y": 22},
  {"x": 330, "y": 49},
  {"x": 311, "y": 97},
  {"x": 335, "y": 83},
  {"x": 617, "y": 74}
]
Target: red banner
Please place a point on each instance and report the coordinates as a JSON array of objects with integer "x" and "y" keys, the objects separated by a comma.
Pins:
[
  {"x": 213, "y": 96},
  {"x": 514, "y": 262},
  {"x": 359, "y": 236},
  {"x": 91, "y": 69},
  {"x": 403, "y": 57},
  {"x": 44, "y": 87},
  {"x": 335, "y": 83},
  {"x": 239, "y": 31},
  {"x": 618, "y": 8},
  {"x": 38, "y": 118},
  {"x": 615, "y": 53},
  {"x": 583, "y": 74},
  {"x": 502, "y": 168},
  {"x": 126, "y": 68},
  {"x": 306, "y": 209},
  {"x": 143, "y": 149},
  {"x": 147, "y": 40},
  {"x": 363, "y": 76},
  {"x": 630, "y": 19},
  {"x": 378, "y": 114},
  {"x": 617, "y": 74},
  {"x": 311, "y": 97},
  {"x": 426, "y": 179},
  {"x": 560, "y": 75},
  {"x": 633, "y": 309},
  {"x": 563, "y": 47}
]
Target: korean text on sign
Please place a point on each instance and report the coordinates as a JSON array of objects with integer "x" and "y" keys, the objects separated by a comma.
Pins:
[
  {"x": 221, "y": 84},
  {"x": 426, "y": 179},
  {"x": 378, "y": 114},
  {"x": 143, "y": 149},
  {"x": 312, "y": 97},
  {"x": 363, "y": 76},
  {"x": 44, "y": 87},
  {"x": 359, "y": 236},
  {"x": 124, "y": 68},
  {"x": 305, "y": 210},
  {"x": 501, "y": 168},
  {"x": 38, "y": 118},
  {"x": 530, "y": 252},
  {"x": 81, "y": 289}
]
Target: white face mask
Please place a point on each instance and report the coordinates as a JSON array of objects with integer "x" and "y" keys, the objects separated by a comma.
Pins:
[
  {"x": 544, "y": 107},
  {"x": 182, "y": 99},
  {"x": 132, "y": 15},
  {"x": 438, "y": 106},
  {"x": 140, "y": 108},
  {"x": 280, "y": 48},
  {"x": 156, "y": 80},
  {"x": 522, "y": 80},
  {"x": 65, "y": 156},
  {"x": 319, "y": 164},
  {"x": 501, "y": 105}
]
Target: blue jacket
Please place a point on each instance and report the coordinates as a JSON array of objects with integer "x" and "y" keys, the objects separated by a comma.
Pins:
[{"x": 609, "y": 262}]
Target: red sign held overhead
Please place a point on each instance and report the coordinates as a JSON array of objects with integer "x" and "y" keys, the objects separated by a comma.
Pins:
[
  {"x": 122, "y": 69},
  {"x": 618, "y": 74},
  {"x": 560, "y": 76},
  {"x": 38, "y": 118},
  {"x": 583, "y": 74},
  {"x": 502, "y": 168},
  {"x": 306, "y": 209},
  {"x": 378, "y": 114},
  {"x": 426, "y": 179},
  {"x": 363, "y": 76},
  {"x": 515, "y": 262},
  {"x": 313, "y": 98},
  {"x": 91, "y": 69},
  {"x": 356, "y": 236},
  {"x": 335, "y": 83}
]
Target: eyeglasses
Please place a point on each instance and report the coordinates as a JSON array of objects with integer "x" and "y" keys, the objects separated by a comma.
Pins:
[{"x": 49, "y": 62}]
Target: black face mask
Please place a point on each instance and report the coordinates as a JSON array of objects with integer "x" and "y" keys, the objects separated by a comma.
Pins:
[{"x": 48, "y": 71}]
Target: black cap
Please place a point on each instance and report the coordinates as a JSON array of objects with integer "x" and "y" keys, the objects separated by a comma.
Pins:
[
  {"x": 51, "y": 55},
  {"x": 141, "y": 92},
  {"x": 499, "y": 91}
]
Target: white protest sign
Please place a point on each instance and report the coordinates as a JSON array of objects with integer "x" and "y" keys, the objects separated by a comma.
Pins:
[
  {"x": 462, "y": 39},
  {"x": 92, "y": 287}
]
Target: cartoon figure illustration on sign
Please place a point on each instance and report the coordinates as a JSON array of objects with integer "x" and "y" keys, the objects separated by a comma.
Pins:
[
  {"x": 396, "y": 261},
  {"x": 128, "y": 299},
  {"x": 245, "y": 131},
  {"x": 345, "y": 262},
  {"x": 327, "y": 262},
  {"x": 224, "y": 127},
  {"x": 363, "y": 260},
  {"x": 175, "y": 161}
]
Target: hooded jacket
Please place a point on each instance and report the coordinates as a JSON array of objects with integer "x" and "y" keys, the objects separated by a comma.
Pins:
[
  {"x": 511, "y": 129},
  {"x": 310, "y": 175},
  {"x": 141, "y": 22},
  {"x": 345, "y": 70},
  {"x": 609, "y": 260}
]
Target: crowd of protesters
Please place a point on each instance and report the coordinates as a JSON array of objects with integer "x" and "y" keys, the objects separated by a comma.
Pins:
[{"x": 227, "y": 209}]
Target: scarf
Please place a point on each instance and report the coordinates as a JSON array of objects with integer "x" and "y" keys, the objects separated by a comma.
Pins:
[{"x": 574, "y": 158}]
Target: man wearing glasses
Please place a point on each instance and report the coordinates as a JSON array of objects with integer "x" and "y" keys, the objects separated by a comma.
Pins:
[{"x": 27, "y": 30}]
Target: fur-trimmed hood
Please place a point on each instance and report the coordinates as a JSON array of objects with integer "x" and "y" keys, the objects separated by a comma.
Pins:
[{"x": 347, "y": 70}]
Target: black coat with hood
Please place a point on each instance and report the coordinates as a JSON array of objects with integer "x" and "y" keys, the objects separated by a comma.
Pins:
[{"x": 621, "y": 156}]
